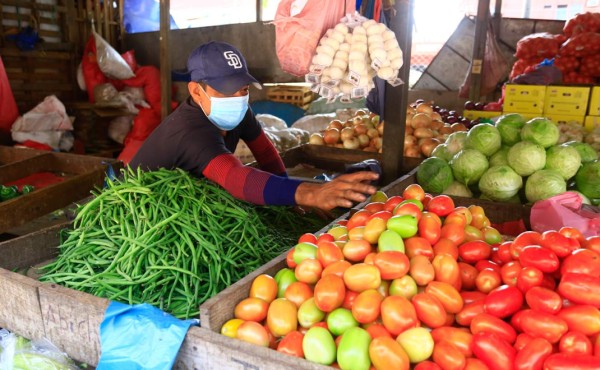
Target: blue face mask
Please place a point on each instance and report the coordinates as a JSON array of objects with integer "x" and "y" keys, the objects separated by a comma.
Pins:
[{"x": 227, "y": 113}]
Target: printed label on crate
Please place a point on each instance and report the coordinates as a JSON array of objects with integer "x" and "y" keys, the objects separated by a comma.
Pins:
[
  {"x": 353, "y": 78},
  {"x": 346, "y": 99},
  {"x": 359, "y": 92},
  {"x": 312, "y": 78},
  {"x": 316, "y": 69},
  {"x": 315, "y": 88},
  {"x": 396, "y": 82},
  {"x": 326, "y": 91},
  {"x": 376, "y": 64}
]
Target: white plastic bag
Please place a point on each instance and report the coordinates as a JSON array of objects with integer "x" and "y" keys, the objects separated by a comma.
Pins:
[
  {"x": 314, "y": 123},
  {"x": 119, "y": 128},
  {"x": 111, "y": 63},
  {"x": 17, "y": 352},
  {"x": 50, "y": 138},
  {"x": 50, "y": 114},
  {"x": 269, "y": 120}
]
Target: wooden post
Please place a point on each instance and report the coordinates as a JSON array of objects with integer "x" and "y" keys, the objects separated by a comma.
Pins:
[
  {"x": 396, "y": 98},
  {"x": 481, "y": 23},
  {"x": 497, "y": 17},
  {"x": 165, "y": 58},
  {"x": 121, "y": 24}
]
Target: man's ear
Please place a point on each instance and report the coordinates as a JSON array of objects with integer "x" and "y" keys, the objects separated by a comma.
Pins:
[{"x": 194, "y": 90}]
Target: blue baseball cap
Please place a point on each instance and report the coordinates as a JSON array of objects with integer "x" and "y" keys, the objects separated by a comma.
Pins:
[{"x": 221, "y": 66}]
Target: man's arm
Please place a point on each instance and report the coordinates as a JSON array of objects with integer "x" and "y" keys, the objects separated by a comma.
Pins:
[{"x": 266, "y": 155}]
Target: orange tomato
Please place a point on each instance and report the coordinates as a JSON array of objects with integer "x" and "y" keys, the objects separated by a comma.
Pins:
[
  {"x": 523, "y": 240},
  {"x": 461, "y": 338},
  {"x": 447, "y": 356},
  {"x": 430, "y": 228},
  {"x": 329, "y": 293},
  {"x": 291, "y": 344},
  {"x": 429, "y": 310},
  {"x": 387, "y": 354},
  {"x": 361, "y": 277},
  {"x": 410, "y": 209},
  {"x": 377, "y": 330},
  {"x": 367, "y": 306},
  {"x": 446, "y": 269},
  {"x": 446, "y": 246},
  {"x": 298, "y": 292},
  {"x": 465, "y": 211},
  {"x": 253, "y": 332},
  {"x": 374, "y": 207},
  {"x": 308, "y": 271},
  {"x": 349, "y": 299},
  {"x": 251, "y": 309},
  {"x": 457, "y": 218},
  {"x": 336, "y": 268},
  {"x": 441, "y": 205},
  {"x": 421, "y": 270},
  {"x": 328, "y": 253},
  {"x": 475, "y": 364},
  {"x": 478, "y": 216},
  {"x": 264, "y": 287},
  {"x": 392, "y": 264},
  {"x": 370, "y": 258},
  {"x": 307, "y": 237},
  {"x": 573, "y": 233},
  {"x": 282, "y": 317},
  {"x": 289, "y": 259},
  {"x": 488, "y": 280},
  {"x": 418, "y": 246},
  {"x": 414, "y": 191},
  {"x": 356, "y": 250},
  {"x": 398, "y": 314},
  {"x": 447, "y": 295},
  {"x": 373, "y": 229},
  {"x": 356, "y": 233},
  {"x": 454, "y": 232},
  {"x": 468, "y": 274},
  {"x": 360, "y": 218}
]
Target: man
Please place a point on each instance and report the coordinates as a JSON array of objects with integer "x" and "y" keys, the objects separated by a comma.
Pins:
[{"x": 202, "y": 133}]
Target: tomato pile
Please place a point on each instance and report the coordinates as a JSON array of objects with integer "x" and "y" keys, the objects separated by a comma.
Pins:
[
  {"x": 576, "y": 51},
  {"x": 412, "y": 280}
]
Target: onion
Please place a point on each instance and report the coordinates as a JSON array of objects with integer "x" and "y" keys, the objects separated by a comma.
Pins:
[
  {"x": 351, "y": 143},
  {"x": 361, "y": 129},
  {"x": 410, "y": 140},
  {"x": 420, "y": 120},
  {"x": 380, "y": 128},
  {"x": 335, "y": 124},
  {"x": 331, "y": 136},
  {"x": 436, "y": 116},
  {"x": 428, "y": 145},
  {"x": 358, "y": 119},
  {"x": 423, "y": 132},
  {"x": 424, "y": 108},
  {"x": 377, "y": 142},
  {"x": 412, "y": 151},
  {"x": 459, "y": 127},
  {"x": 436, "y": 125},
  {"x": 363, "y": 140},
  {"x": 409, "y": 117},
  {"x": 408, "y": 130},
  {"x": 316, "y": 139},
  {"x": 372, "y": 133},
  {"x": 348, "y": 124},
  {"x": 445, "y": 130},
  {"x": 347, "y": 133}
]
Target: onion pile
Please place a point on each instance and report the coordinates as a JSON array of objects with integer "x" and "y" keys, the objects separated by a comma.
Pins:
[{"x": 363, "y": 131}]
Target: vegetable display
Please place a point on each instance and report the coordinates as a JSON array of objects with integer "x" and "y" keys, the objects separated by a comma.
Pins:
[
  {"x": 447, "y": 293},
  {"x": 169, "y": 240},
  {"x": 11, "y": 192}
]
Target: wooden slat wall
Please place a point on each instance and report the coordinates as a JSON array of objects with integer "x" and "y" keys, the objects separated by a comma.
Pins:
[{"x": 65, "y": 26}]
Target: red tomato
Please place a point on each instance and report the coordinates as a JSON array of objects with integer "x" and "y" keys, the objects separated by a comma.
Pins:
[
  {"x": 456, "y": 217},
  {"x": 251, "y": 309},
  {"x": 582, "y": 261},
  {"x": 328, "y": 253},
  {"x": 329, "y": 293},
  {"x": 543, "y": 299},
  {"x": 446, "y": 246},
  {"x": 416, "y": 245},
  {"x": 325, "y": 237},
  {"x": 446, "y": 269},
  {"x": 392, "y": 202},
  {"x": 543, "y": 325},
  {"x": 307, "y": 237},
  {"x": 582, "y": 318},
  {"x": 474, "y": 296},
  {"x": 298, "y": 292},
  {"x": 429, "y": 228},
  {"x": 253, "y": 332},
  {"x": 475, "y": 364},
  {"x": 377, "y": 330},
  {"x": 580, "y": 288},
  {"x": 387, "y": 354},
  {"x": 367, "y": 306},
  {"x": 523, "y": 240},
  {"x": 528, "y": 278},
  {"x": 291, "y": 344},
  {"x": 494, "y": 351},
  {"x": 575, "y": 342},
  {"x": 308, "y": 271},
  {"x": 414, "y": 191},
  {"x": 361, "y": 277},
  {"x": 398, "y": 314},
  {"x": 469, "y": 311},
  {"x": 374, "y": 207},
  {"x": 487, "y": 280},
  {"x": 336, "y": 268},
  {"x": 510, "y": 271},
  {"x": 491, "y": 324},
  {"x": 573, "y": 233},
  {"x": 558, "y": 243},
  {"x": 441, "y": 205},
  {"x": 593, "y": 243},
  {"x": 264, "y": 287},
  {"x": 349, "y": 299},
  {"x": 468, "y": 274},
  {"x": 370, "y": 258},
  {"x": 473, "y": 251},
  {"x": 533, "y": 355},
  {"x": 427, "y": 365},
  {"x": 448, "y": 356},
  {"x": 542, "y": 258},
  {"x": 449, "y": 297},
  {"x": 421, "y": 270},
  {"x": 503, "y": 301},
  {"x": 407, "y": 209},
  {"x": 459, "y": 337},
  {"x": 487, "y": 264},
  {"x": 392, "y": 264},
  {"x": 289, "y": 259},
  {"x": 356, "y": 250},
  {"x": 429, "y": 310},
  {"x": 504, "y": 252},
  {"x": 384, "y": 215},
  {"x": 522, "y": 340},
  {"x": 566, "y": 361},
  {"x": 360, "y": 218}
]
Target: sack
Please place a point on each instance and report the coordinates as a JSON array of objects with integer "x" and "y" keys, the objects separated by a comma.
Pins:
[
  {"x": 541, "y": 44},
  {"x": 581, "y": 45},
  {"x": 119, "y": 127},
  {"x": 299, "y": 25},
  {"x": 50, "y": 114},
  {"x": 565, "y": 209},
  {"x": 110, "y": 61}
]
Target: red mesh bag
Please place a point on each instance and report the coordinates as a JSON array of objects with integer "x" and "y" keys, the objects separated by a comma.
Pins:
[
  {"x": 566, "y": 63},
  {"x": 581, "y": 45},
  {"x": 586, "y": 22},
  {"x": 542, "y": 44},
  {"x": 590, "y": 66},
  {"x": 523, "y": 66}
]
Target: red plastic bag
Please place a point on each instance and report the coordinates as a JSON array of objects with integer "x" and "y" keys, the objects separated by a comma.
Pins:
[
  {"x": 581, "y": 45},
  {"x": 541, "y": 44},
  {"x": 8, "y": 107},
  {"x": 92, "y": 75},
  {"x": 566, "y": 209},
  {"x": 297, "y": 35}
]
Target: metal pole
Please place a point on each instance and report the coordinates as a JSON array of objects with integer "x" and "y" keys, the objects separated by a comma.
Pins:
[
  {"x": 165, "y": 59},
  {"x": 479, "y": 49},
  {"x": 396, "y": 98}
]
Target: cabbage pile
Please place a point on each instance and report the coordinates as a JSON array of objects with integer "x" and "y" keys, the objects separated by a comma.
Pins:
[{"x": 514, "y": 159}]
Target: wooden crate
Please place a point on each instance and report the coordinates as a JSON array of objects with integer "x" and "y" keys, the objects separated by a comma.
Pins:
[
  {"x": 81, "y": 174},
  {"x": 9, "y": 155},
  {"x": 300, "y": 96}
]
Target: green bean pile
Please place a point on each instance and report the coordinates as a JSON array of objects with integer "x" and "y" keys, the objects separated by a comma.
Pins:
[{"x": 167, "y": 239}]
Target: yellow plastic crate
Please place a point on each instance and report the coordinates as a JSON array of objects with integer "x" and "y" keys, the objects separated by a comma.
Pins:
[
  {"x": 524, "y": 98},
  {"x": 297, "y": 95},
  {"x": 567, "y": 100},
  {"x": 595, "y": 102},
  {"x": 476, "y": 114},
  {"x": 565, "y": 118},
  {"x": 591, "y": 122}
]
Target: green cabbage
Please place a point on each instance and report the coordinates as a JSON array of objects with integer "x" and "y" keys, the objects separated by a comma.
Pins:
[
  {"x": 587, "y": 180},
  {"x": 564, "y": 159},
  {"x": 544, "y": 184},
  {"x": 458, "y": 189},
  {"x": 585, "y": 150},
  {"x": 500, "y": 183},
  {"x": 509, "y": 126},
  {"x": 456, "y": 142},
  {"x": 434, "y": 175},
  {"x": 441, "y": 151},
  {"x": 541, "y": 131},
  {"x": 468, "y": 165},
  {"x": 500, "y": 158},
  {"x": 484, "y": 138},
  {"x": 526, "y": 157}
]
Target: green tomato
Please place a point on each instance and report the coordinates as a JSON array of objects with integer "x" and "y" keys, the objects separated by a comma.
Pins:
[
  {"x": 389, "y": 240},
  {"x": 404, "y": 286},
  {"x": 415, "y": 201},
  {"x": 405, "y": 225},
  {"x": 303, "y": 251},
  {"x": 353, "y": 351},
  {"x": 309, "y": 314},
  {"x": 284, "y": 278},
  {"x": 417, "y": 343},
  {"x": 338, "y": 231},
  {"x": 340, "y": 320},
  {"x": 319, "y": 346}
]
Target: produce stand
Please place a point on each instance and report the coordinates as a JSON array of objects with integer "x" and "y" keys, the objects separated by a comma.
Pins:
[{"x": 78, "y": 174}]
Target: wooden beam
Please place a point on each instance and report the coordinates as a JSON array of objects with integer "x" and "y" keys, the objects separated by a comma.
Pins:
[
  {"x": 481, "y": 24},
  {"x": 396, "y": 98},
  {"x": 165, "y": 58}
]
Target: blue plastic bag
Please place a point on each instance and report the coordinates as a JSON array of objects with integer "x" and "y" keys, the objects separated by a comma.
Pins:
[{"x": 140, "y": 337}]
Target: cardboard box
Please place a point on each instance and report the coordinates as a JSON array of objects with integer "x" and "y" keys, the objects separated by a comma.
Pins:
[
  {"x": 477, "y": 114},
  {"x": 524, "y": 98},
  {"x": 567, "y": 100},
  {"x": 565, "y": 118},
  {"x": 591, "y": 122},
  {"x": 595, "y": 102}
]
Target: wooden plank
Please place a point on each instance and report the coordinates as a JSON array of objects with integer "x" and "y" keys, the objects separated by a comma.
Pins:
[
  {"x": 477, "y": 61},
  {"x": 165, "y": 59},
  {"x": 36, "y": 54},
  {"x": 26, "y": 251},
  {"x": 10, "y": 154},
  {"x": 19, "y": 305},
  {"x": 39, "y": 6}
]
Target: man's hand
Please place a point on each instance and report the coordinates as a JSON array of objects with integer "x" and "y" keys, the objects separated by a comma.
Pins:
[{"x": 343, "y": 191}]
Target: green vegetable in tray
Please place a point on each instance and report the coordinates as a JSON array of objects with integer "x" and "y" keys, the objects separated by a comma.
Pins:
[
  {"x": 8, "y": 192},
  {"x": 588, "y": 180},
  {"x": 585, "y": 150},
  {"x": 564, "y": 159},
  {"x": 500, "y": 183},
  {"x": 170, "y": 240},
  {"x": 468, "y": 165},
  {"x": 434, "y": 175},
  {"x": 509, "y": 126},
  {"x": 26, "y": 189}
]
